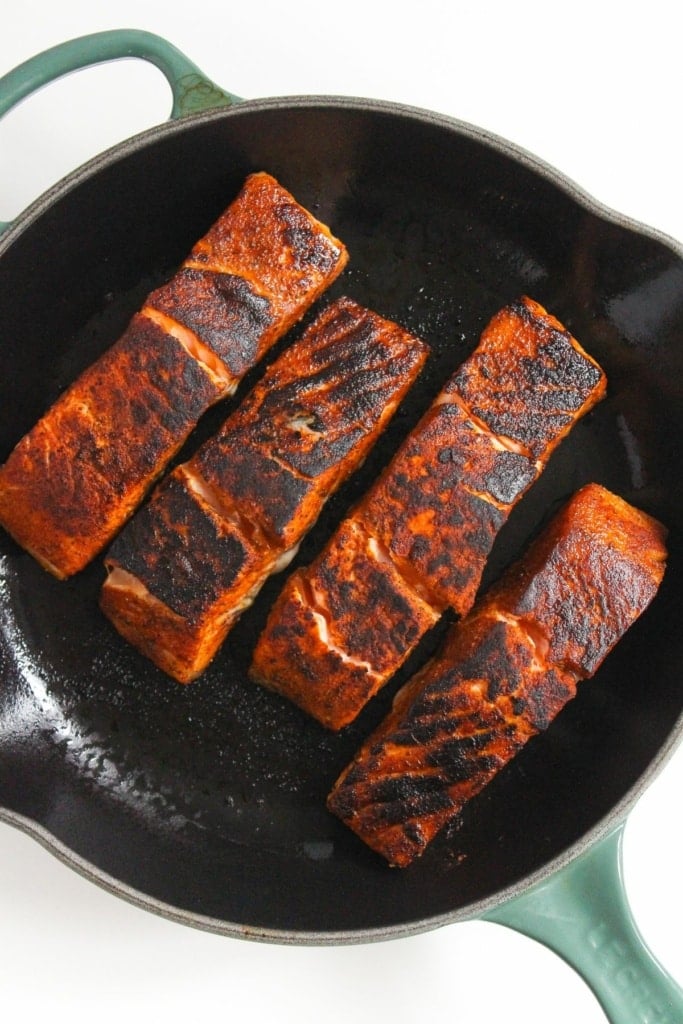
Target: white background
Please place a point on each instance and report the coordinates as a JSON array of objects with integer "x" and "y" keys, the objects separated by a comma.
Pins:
[{"x": 593, "y": 89}]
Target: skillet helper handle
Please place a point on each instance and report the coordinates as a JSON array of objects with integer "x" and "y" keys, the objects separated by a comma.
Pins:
[
  {"x": 192, "y": 90},
  {"x": 582, "y": 913}
]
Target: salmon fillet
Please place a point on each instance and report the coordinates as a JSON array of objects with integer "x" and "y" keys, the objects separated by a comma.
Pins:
[
  {"x": 418, "y": 541},
  {"x": 503, "y": 673},
  {"x": 75, "y": 478},
  {"x": 195, "y": 556}
]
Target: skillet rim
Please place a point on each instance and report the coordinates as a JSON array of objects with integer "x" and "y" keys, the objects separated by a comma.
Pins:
[
  {"x": 618, "y": 813},
  {"x": 505, "y": 147},
  {"x": 352, "y": 936}
]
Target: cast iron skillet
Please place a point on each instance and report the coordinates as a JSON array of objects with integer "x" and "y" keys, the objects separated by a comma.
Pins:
[{"x": 207, "y": 803}]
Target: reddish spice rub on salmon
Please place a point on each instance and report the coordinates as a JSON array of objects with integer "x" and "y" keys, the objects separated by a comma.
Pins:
[
  {"x": 75, "y": 478},
  {"x": 503, "y": 674},
  {"x": 194, "y": 557},
  {"x": 419, "y": 539}
]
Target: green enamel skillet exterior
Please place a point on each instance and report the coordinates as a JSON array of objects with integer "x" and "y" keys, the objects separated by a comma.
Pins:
[
  {"x": 192, "y": 91},
  {"x": 579, "y": 910}
]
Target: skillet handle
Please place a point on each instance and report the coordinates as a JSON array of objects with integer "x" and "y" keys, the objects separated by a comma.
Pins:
[
  {"x": 582, "y": 913},
  {"x": 192, "y": 90}
]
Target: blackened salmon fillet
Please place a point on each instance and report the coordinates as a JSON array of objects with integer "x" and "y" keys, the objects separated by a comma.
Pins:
[
  {"x": 418, "y": 541},
  {"x": 503, "y": 674},
  {"x": 192, "y": 559},
  {"x": 74, "y": 479}
]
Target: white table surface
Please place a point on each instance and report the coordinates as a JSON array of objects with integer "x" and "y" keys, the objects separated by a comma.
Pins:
[{"x": 593, "y": 89}]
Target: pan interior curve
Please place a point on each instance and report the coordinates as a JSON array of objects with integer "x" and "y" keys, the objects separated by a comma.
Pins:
[{"x": 211, "y": 798}]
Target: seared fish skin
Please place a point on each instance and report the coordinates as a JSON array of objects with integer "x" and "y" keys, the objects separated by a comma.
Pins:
[
  {"x": 192, "y": 559},
  {"x": 503, "y": 673},
  {"x": 418, "y": 541},
  {"x": 76, "y": 477}
]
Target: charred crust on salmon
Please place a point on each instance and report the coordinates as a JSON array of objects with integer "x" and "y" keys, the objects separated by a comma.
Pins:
[
  {"x": 534, "y": 394},
  {"x": 502, "y": 675},
  {"x": 225, "y": 312},
  {"x": 434, "y": 513},
  {"x": 245, "y": 283},
  {"x": 201, "y": 549},
  {"x": 178, "y": 537},
  {"x": 255, "y": 480}
]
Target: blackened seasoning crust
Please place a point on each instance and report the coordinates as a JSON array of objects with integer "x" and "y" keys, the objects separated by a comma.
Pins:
[
  {"x": 85, "y": 466},
  {"x": 317, "y": 650},
  {"x": 503, "y": 674},
  {"x": 223, "y": 310},
  {"x": 312, "y": 418},
  {"x": 310, "y": 421},
  {"x": 431, "y": 519},
  {"x": 270, "y": 218},
  {"x": 238, "y": 466},
  {"x": 178, "y": 538},
  {"x": 72, "y": 482},
  {"x": 528, "y": 379},
  {"x": 196, "y": 555}
]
